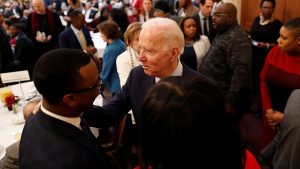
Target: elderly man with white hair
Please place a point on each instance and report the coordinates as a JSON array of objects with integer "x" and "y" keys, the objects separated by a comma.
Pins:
[{"x": 161, "y": 43}]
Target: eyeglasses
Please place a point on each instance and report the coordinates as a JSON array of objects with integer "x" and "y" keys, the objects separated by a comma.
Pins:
[
  {"x": 99, "y": 85},
  {"x": 219, "y": 14}
]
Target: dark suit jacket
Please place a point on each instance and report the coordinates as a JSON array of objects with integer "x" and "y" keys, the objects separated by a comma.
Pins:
[
  {"x": 68, "y": 39},
  {"x": 212, "y": 32},
  {"x": 48, "y": 143},
  {"x": 130, "y": 97},
  {"x": 6, "y": 54},
  {"x": 23, "y": 50}
]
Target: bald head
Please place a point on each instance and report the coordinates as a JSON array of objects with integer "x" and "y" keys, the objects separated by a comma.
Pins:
[
  {"x": 39, "y": 6},
  {"x": 230, "y": 9}
]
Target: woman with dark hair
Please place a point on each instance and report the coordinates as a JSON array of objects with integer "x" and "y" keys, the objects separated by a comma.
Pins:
[
  {"x": 279, "y": 77},
  {"x": 196, "y": 45},
  {"x": 264, "y": 34},
  {"x": 184, "y": 125},
  {"x": 110, "y": 33}
]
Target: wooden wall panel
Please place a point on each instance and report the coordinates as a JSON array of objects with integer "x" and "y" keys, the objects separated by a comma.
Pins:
[{"x": 284, "y": 11}]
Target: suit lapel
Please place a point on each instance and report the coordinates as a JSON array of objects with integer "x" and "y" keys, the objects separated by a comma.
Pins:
[
  {"x": 68, "y": 130},
  {"x": 74, "y": 44}
]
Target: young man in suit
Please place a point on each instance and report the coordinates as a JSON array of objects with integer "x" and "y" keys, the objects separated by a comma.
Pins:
[
  {"x": 77, "y": 36},
  {"x": 57, "y": 136},
  {"x": 205, "y": 20}
]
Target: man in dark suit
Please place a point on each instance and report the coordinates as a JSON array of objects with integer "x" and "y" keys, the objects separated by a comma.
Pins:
[
  {"x": 204, "y": 19},
  {"x": 57, "y": 136},
  {"x": 6, "y": 54},
  {"x": 22, "y": 48},
  {"x": 43, "y": 27},
  {"x": 72, "y": 37},
  {"x": 160, "y": 50}
]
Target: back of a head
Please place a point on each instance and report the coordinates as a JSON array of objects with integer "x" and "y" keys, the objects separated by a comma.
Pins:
[
  {"x": 162, "y": 5},
  {"x": 230, "y": 9},
  {"x": 184, "y": 124},
  {"x": 167, "y": 30},
  {"x": 110, "y": 29},
  {"x": 57, "y": 71},
  {"x": 293, "y": 25}
]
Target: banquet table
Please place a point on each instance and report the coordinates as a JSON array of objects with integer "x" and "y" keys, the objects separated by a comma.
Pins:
[{"x": 11, "y": 124}]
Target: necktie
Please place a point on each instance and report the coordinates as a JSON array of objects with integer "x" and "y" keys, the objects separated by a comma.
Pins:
[
  {"x": 82, "y": 40},
  {"x": 86, "y": 130},
  {"x": 205, "y": 31}
]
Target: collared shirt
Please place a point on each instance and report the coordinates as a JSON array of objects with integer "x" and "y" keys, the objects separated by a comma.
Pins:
[
  {"x": 75, "y": 121},
  {"x": 202, "y": 22},
  {"x": 177, "y": 72},
  {"x": 76, "y": 31}
]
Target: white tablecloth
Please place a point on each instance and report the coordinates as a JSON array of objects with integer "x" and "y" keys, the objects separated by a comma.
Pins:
[
  {"x": 99, "y": 44},
  {"x": 10, "y": 132}
]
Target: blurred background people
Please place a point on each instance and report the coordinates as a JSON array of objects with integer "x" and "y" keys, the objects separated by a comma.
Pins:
[
  {"x": 110, "y": 33},
  {"x": 204, "y": 19},
  {"x": 77, "y": 36},
  {"x": 22, "y": 47},
  {"x": 43, "y": 28},
  {"x": 146, "y": 11},
  {"x": 129, "y": 58},
  {"x": 187, "y": 8},
  {"x": 264, "y": 34},
  {"x": 279, "y": 77},
  {"x": 72, "y": 5},
  {"x": 196, "y": 46}
]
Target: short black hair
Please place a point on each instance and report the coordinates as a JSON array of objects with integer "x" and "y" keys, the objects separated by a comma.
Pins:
[
  {"x": 202, "y": 2},
  {"x": 57, "y": 72},
  {"x": 162, "y": 5},
  {"x": 74, "y": 14},
  {"x": 183, "y": 116},
  {"x": 272, "y": 1},
  {"x": 293, "y": 25}
]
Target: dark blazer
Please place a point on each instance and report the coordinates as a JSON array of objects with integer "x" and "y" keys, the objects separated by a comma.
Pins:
[
  {"x": 23, "y": 50},
  {"x": 49, "y": 143},
  {"x": 130, "y": 97},
  {"x": 212, "y": 32},
  {"x": 68, "y": 39},
  {"x": 6, "y": 54}
]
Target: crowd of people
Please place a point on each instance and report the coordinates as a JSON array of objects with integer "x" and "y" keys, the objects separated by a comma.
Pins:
[{"x": 187, "y": 78}]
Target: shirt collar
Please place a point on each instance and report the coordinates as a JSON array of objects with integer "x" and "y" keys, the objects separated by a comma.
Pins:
[
  {"x": 177, "y": 72},
  {"x": 75, "y": 121},
  {"x": 75, "y": 29}
]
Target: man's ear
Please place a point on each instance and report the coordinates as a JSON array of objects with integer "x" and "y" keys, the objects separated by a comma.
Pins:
[
  {"x": 69, "y": 99},
  {"x": 174, "y": 54}
]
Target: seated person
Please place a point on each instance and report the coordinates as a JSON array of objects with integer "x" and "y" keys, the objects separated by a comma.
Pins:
[{"x": 184, "y": 125}]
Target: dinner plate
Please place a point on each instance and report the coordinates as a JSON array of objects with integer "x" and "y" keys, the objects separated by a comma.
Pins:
[{"x": 2, "y": 151}]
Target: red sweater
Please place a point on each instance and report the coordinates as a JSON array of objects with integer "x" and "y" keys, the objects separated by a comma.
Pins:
[{"x": 279, "y": 77}]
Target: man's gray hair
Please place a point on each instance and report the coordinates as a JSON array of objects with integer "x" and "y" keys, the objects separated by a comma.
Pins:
[{"x": 168, "y": 30}]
